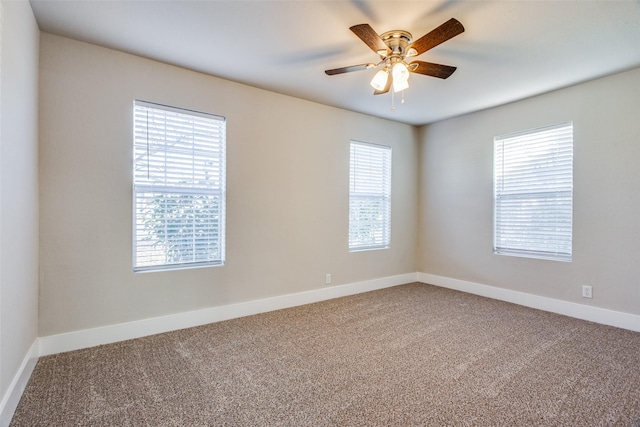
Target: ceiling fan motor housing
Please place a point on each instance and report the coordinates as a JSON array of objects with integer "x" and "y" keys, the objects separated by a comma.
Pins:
[{"x": 398, "y": 41}]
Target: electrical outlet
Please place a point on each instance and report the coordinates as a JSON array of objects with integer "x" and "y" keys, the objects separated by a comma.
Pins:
[
  {"x": 327, "y": 279},
  {"x": 587, "y": 291}
]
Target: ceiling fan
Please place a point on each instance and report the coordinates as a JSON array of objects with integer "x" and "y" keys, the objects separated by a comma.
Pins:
[{"x": 394, "y": 47}]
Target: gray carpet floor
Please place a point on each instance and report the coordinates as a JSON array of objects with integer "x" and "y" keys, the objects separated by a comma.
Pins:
[{"x": 411, "y": 355}]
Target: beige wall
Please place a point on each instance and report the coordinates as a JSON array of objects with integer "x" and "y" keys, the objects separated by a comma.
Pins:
[
  {"x": 456, "y": 195},
  {"x": 19, "y": 39},
  {"x": 287, "y": 191}
]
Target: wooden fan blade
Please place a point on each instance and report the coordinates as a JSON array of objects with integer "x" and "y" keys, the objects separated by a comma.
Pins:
[
  {"x": 370, "y": 38},
  {"x": 387, "y": 86},
  {"x": 431, "y": 69},
  {"x": 349, "y": 69},
  {"x": 444, "y": 32}
]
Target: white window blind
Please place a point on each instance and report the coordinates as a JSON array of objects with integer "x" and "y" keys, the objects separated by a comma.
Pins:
[
  {"x": 179, "y": 187},
  {"x": 533, "y": 192},
  {"x": 369, "y": 196}
]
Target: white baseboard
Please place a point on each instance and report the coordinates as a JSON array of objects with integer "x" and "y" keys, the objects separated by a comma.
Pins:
[
  {"x": 12, "y": 397},
  {"x": 580, "y": 311},
  {"x": 108, "y": 334}
]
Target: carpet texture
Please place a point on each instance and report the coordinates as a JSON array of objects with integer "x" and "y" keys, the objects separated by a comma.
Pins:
[{"x": 411, "y": 355}]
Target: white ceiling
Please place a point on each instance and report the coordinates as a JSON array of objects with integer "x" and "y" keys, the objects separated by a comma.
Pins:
[{"x": 510, "y": 49}]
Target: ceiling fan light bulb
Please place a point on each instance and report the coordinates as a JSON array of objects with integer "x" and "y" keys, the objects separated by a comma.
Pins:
[
  {"x": 400, "y": 72},
  {"x": 379, "y": 81}
]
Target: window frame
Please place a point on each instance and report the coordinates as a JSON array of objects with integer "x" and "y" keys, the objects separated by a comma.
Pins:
[
  {"x": 546, "y": 182},
  {"x": 382, "y": 227},
  {"x": 208, "y": 193}
]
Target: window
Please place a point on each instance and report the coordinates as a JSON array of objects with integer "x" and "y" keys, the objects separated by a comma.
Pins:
[
  {"x": 179, "y": 188},
  {"x": 369, "y": 196},
  {"x": 533, "y": 193}
]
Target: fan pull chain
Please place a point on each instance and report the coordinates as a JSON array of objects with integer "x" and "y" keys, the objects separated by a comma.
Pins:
[{"x": 393, "y": 103}]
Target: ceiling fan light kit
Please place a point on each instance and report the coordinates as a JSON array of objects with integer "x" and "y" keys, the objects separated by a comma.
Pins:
[
  {"x": 379, "y": 80},
  {"x": 400, "y": 74},
  {"x": 394, "y": 47}
]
